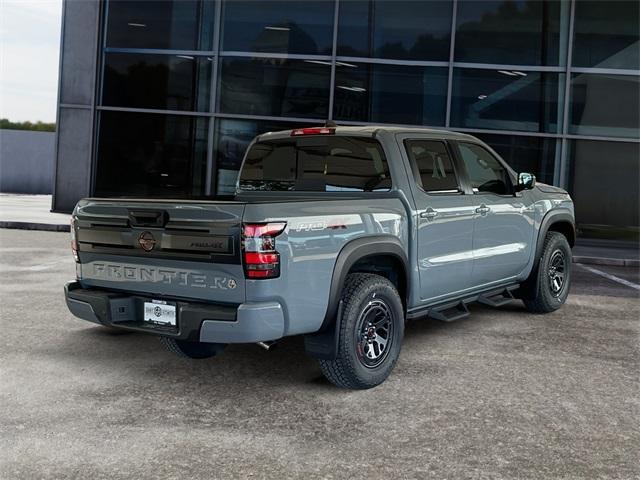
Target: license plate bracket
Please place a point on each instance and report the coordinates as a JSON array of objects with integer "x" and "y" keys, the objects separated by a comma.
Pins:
[{"x": 159, "y": 312}]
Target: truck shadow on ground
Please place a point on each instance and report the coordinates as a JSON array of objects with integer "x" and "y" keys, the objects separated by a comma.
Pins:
[{"x": 141, "y": 355}]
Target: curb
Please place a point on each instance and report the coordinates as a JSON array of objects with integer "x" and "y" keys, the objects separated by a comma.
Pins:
[
  {"x": 47, "y": 227},
  {"x": 612, "y": 262}
]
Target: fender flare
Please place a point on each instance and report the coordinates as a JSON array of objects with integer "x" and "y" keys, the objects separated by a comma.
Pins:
[
  {"x": 530, "y": 284},
  {"x": 324, "y": 343},
  {"x": 549, "y": 219}
]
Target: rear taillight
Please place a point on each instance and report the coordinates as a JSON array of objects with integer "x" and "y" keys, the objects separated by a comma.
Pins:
[
  {"x": 74, "y": 242},
  {"x": 261, "y": 260}
]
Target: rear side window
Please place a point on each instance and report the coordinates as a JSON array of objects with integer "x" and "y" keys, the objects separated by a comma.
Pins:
[
  {"x": 316, "y": 164},
  {"x": 434, "y": 164}
]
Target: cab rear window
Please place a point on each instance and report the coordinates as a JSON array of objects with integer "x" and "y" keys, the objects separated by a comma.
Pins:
[{"x": 316, "y": 164}]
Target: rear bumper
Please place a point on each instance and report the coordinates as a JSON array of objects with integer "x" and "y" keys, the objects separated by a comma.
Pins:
[{"x": 203, "y": 322}]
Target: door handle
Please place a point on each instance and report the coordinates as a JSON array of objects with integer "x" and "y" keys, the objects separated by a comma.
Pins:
[
  {"x": 483, "y": 210},
  {"x": 429, "y": 214}
]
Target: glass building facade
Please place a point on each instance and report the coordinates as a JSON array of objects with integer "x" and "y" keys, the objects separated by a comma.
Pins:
[{"x": 182, "y": 86}]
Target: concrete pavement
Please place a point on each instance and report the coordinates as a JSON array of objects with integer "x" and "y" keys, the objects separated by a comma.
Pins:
[{"x": 502, "y": 394}]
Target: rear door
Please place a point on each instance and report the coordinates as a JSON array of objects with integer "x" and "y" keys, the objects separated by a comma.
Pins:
[
  {"x": 504, "y": 224},
  {"x": 444, "y": 219},
  {"x": 177, "y": 249}
]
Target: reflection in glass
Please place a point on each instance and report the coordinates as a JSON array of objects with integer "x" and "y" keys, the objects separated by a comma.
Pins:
[
  {"x": 526, "y": 154},
  {"x": 165, "y": 82},
  {"x": 512, "y": 33},
  {"x": 275, "y": 87},
  {"x": 302, "y": 27},
  {"x": 607, "y": 34},
  {"x": 605, "y": 105},
  {"x": 395, "y": 29},
  {"x": 390, "y": 94},
  {"x": 506, "y": 100},
  {"x": 162, "y": 24},
  {"x": 142, "y": 154},
  {"x": 233, "y": 138},
  {"x": 324, "y": 163},
  {"x": 604, "y": 185}
]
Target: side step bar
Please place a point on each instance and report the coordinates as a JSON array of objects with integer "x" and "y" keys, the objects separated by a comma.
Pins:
[
  {"x": 450, "y": 313},
  {"x": 499, "y": 299},
  {"x": 457, "y": 309}
]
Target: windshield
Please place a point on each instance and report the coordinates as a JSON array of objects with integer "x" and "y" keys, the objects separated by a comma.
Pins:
[{"x": 316, "y": 164}]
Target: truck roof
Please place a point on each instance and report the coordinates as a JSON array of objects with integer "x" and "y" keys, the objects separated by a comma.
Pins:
[{"x": 371, "y": 130}]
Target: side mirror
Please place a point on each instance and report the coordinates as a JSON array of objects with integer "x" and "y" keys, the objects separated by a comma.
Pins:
[{"x": 526, "y": 181}]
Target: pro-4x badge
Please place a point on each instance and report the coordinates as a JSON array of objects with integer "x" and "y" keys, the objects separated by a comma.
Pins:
[{"x": 146, "y": 241}]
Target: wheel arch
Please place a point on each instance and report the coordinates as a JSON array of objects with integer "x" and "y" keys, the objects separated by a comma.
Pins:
[
  {"x": 561, "y": 222},
  {"x": 380, "y": 254},
  {"x": 554, "y": 221}
]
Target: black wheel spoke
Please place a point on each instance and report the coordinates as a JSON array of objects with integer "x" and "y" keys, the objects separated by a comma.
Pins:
[{"x": 374, "y": 333}]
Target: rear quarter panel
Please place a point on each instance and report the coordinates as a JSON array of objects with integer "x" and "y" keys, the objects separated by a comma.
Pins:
[{"x": 315, "y": 234}]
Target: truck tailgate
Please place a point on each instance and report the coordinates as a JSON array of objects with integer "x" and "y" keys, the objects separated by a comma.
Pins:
[{"x": 188, "y": 249}]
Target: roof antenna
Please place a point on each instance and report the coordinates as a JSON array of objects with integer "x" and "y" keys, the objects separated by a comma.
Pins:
[{"x": 330, "y": 124}]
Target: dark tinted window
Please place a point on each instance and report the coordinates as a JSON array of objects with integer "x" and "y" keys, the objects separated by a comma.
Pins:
[
  {"x": 166, "y": 24},
  {"x": 526, "y": 154},
  {"x": 277, "y": 26},
  {"x": 232, "y": 139},
  {"x": 605, "y": 105},
  {"x": 293, "y": 88},
  {"x": 604, "y": 184},
  {"x": 390, "y": 93},
  {"x": 166, "y": 82},
  {"x": 506, "y": 100},
  {"x": 508, "y": 32},
  {"x": 433, "y": 163},
  {"x": 607, "y": 34},
  {"x": 395, "y": 29},
  {"x": 485, "y": 172},
  {"x": 316, "y": 163},
  {"x": 152, "y": 155}
]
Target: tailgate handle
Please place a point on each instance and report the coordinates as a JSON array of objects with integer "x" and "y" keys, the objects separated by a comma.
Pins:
[{"x": 148, "y": 218}]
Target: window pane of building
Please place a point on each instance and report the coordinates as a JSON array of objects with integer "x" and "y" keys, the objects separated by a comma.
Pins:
[
  {"x": 165, "y": 82},
  {"x": 526, "y": 154},
  {"x": 275, "y": 87},
  {"x": 607, "y": 34},
  {"x": 232, "y": 139},
  {"x": 506, "y": 100},
  {"x": 604, "y": 179},
  {"x": 512, "y": 33},
  {"x": 144, "y": 154},
  {"x": 303, "y": 27},
  {"x": 395, "y": 29},
  {"x": 605, "y": 105},
  {"x": 390, "y": 94},
  {"x": 163, "y": 24}
]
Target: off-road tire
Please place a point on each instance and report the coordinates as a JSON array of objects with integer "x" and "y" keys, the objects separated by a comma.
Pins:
[
  {"x": 347, "y": 370},
  {"x": 537, "y": 295},
  {"x": 194, "y": 350}
]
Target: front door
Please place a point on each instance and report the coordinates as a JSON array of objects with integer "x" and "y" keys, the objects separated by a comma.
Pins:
[
  {"x": 504, "y": 223},
  {"x": 444, "y": 220}
]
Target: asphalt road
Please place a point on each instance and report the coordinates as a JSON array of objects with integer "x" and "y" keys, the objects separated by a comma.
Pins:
[{"x": 501, "y": 394}]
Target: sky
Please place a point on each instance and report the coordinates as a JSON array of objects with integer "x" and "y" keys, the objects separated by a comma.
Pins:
[{"x": 29, "y": 56}]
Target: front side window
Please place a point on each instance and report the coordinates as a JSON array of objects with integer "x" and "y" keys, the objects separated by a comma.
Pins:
[
  {"x": 434, "y": 165},
  {"x": 485, "y": 172},
  {"x": 316, "y": 164}
]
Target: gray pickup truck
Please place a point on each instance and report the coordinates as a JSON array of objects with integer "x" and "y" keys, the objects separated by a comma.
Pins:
[{"x": 339, "y": 234}]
